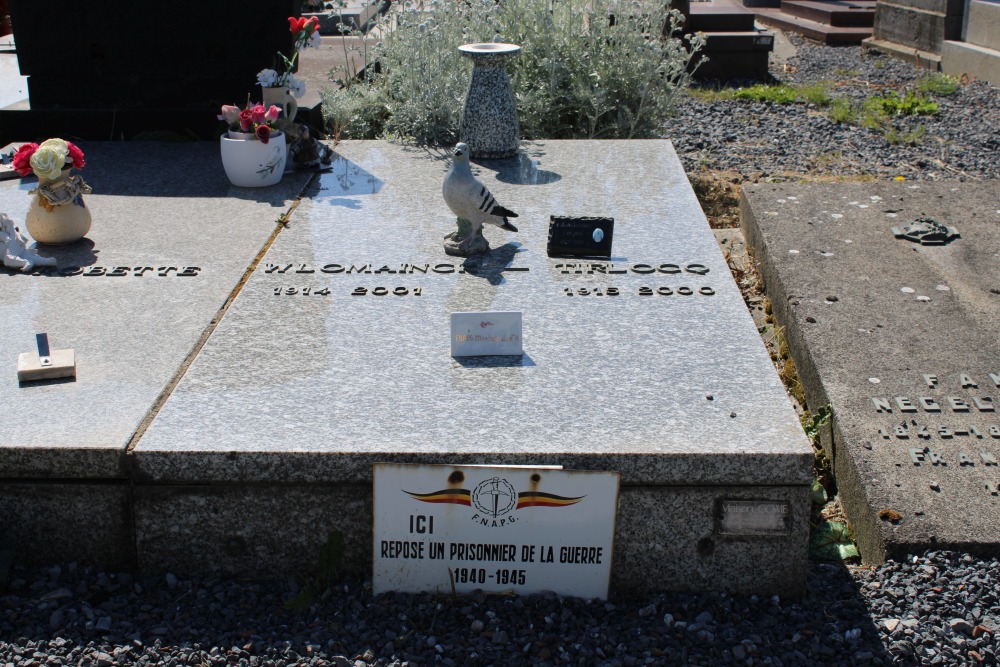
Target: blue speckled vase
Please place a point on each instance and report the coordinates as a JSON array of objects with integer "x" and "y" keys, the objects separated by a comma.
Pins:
[{"x": 489, "y": 121}]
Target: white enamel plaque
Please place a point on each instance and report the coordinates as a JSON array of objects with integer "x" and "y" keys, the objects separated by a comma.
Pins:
[
  {"x": 485, "y": 334},
  {"x": 444, "y": 529}
]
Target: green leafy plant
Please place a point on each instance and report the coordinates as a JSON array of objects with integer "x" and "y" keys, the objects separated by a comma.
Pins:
[
  {"x": 832, "y": 540},
  {"x": 894, "y": 104},
  {"x": 584, "y": 71},
  {"x": 842, "y": 111}
]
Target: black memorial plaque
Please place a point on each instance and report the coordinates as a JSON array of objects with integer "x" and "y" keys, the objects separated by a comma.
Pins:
[{"x": 580, "y": 237}]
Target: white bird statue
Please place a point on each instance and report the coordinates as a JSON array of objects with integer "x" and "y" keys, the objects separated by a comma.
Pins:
[{"x": 473, "y": 204}]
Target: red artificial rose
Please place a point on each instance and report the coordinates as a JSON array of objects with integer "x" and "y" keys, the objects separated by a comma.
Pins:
[
  {"x": 295, "y": 25},
  {"x": 258, "y": 113},
  {"x": 22, "y": 158},
  {"x": 246, "y": 120},
  {"x": 263, "y": 133},
  {"x": 76, "y": 155},
  {"x": 312, "y": 24}
]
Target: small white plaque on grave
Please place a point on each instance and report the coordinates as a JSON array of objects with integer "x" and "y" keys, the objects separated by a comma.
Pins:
[
  {"x": 443, "y": 529},
  {"x": 486, "y": 334}
]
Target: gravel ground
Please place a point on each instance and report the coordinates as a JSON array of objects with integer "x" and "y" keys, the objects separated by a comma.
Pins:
[
  {"x": 761, "y": 140},
  {"x": 935, "y": 609}
]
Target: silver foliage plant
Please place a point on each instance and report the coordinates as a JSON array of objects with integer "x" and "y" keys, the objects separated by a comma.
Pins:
[{"x": 587, "y": 69}]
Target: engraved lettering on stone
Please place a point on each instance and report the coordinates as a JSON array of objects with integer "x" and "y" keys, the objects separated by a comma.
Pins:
[
  {"x": 945, "y": 431},
  {"x": 964, "y": 460},
  {"x": 928, "y": 404},
  {"x": 305, "y": 268},
  {"x": 905, "y": 405},
  {"x": 363, "y": 268},
  {"x": 882, "y": 405},
  {"x": 141, "y": 270},
  {"x": 118, "y": 271},
  {"x": 916, "y": 455},
  {"x": 333, "y": 268},
  {"x": 384, "y": 269},
  {"x": 984, "y": 404},
  {"x": 95, "y": 271},
  {"x": 189, "y": 271},
  {"x": 165, "y": 270},
  {"x": 967, "y": 382},
  {"x": 988, "y": 459},
  {"x": 931, "y": 380},
  {"x": 995, "y": 379},
  {"x": 957, "y": 404},
  {"x": 271, "y": 268}
]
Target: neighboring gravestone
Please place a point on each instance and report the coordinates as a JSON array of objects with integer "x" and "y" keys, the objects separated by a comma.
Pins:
[
  {"x": 336, "y": 356},
  {"x": 158, "y": 70},
  {"x": 900, "y": 338},
  {"x": 170, "y": 241}
]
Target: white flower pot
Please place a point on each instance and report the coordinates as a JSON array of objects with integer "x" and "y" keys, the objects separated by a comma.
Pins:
[{"x": 252, "y": 164}]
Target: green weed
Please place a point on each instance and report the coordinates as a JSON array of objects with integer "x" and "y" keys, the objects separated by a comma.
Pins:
[
  {"x": 844, "y": 112},
  {"x": 765, "y": 93},
  {"x": 938, "y": 84},
  {"x": 894, "y": 104},
  {"x": 815, "y": 94},
  {"x": 909, "y": 137}
]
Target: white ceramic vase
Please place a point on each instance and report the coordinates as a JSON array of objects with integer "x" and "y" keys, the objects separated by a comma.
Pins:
[
  {"x": 57, "y": 214},
  {"x": 250, "y": 163}
]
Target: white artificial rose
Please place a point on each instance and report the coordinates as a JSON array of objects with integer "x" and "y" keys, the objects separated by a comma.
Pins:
[{"x": 50, "y": 158}]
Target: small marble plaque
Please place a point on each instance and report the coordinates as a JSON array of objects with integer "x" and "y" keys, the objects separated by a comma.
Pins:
[
  {"x": 753, "y": 517},
  {"x": 486, "y": 334}
]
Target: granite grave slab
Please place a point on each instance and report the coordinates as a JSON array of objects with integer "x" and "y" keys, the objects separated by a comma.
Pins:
[
  {"x": 171, "y": 240},
  {"x": 336, "y": 355},
  {"x": 900, "y": 339}
]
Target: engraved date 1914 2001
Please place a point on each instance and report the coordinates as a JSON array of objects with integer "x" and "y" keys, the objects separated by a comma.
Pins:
[{"x": 358, "y": 291}]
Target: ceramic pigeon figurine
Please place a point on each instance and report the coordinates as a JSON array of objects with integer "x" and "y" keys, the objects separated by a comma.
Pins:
[{"x": 473, "y": 204}]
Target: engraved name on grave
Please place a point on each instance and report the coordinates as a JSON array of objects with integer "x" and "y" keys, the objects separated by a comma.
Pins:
[{"x": 949, "y": 421}]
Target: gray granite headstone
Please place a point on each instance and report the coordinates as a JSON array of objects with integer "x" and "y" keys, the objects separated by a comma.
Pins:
[
  {"x": 336, "y": 355},
  {"x": 901, "y": 340},
  {"x": 170, "y": 241}
]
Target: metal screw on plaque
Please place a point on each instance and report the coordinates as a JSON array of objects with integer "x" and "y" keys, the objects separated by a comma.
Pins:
[{"x": 489, "y": 121}]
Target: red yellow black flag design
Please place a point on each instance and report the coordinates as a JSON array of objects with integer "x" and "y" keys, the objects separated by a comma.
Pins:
[
  {"x": 524, "y": 498},
  {"x": 540, "y": 499},
  {"x": 450, "y": 496}
]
